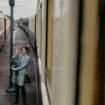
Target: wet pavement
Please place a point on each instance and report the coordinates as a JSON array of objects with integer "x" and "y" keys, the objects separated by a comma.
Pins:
[{"x": 7, "y": 98}]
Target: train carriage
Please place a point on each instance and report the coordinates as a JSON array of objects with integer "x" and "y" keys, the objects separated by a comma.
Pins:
[
  {"x": 32, "y": 29},
  {"x": 4, "y": 29},
  {"x": 69, "y": 35}
]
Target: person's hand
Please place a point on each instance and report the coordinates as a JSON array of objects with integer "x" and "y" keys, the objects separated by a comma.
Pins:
[{"x": 13, "y": 69}]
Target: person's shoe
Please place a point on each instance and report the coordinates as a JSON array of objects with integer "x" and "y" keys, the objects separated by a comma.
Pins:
[{"x": 15, "y": 102}]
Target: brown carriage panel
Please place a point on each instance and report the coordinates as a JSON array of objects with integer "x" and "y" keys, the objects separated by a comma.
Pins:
[{"x": 5, "y": 29}]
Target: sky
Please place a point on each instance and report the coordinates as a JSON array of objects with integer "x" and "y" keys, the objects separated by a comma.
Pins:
[{"x": 22, "y": 8}]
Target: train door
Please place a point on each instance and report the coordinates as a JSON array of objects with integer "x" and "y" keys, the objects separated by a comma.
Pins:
[
  {"x": 89, "y": 44},
  {"x": 49, "y": 37},
  {"x": 101, "y": 54},
  {"x": 48, "y": 45}
]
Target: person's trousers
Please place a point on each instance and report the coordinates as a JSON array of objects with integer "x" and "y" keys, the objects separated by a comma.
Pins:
[{"x": 17, "y": 92}]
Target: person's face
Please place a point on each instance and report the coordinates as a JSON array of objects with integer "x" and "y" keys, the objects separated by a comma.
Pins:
[
  {"x": 17, "y": 52},
  {"x": 24, "y": 51}
]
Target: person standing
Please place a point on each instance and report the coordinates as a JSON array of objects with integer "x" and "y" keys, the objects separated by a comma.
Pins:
[{"x": 25, "y": 58}]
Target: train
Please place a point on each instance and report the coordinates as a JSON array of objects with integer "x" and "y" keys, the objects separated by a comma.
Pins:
[
  {"x": 70, "y": 37},
  {"x": 4, "y": 29}
]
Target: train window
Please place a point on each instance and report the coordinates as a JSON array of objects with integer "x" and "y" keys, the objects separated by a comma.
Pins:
[{"x": 39, "y": 31}]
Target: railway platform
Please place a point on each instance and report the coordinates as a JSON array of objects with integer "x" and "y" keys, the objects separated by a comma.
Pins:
[{"x": 7, "y": 98}]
